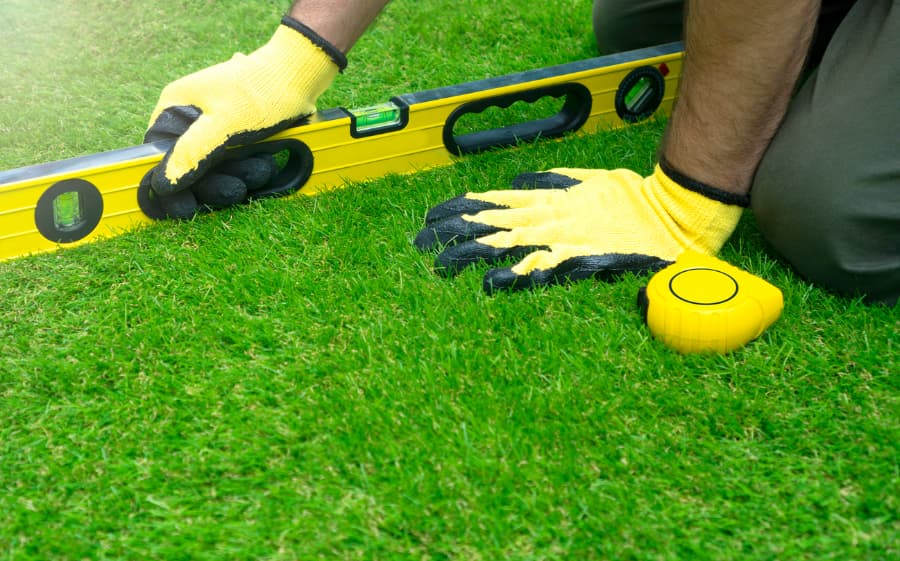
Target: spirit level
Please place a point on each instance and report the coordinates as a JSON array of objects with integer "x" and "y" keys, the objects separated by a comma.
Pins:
[{"x": 74, "y": 201}]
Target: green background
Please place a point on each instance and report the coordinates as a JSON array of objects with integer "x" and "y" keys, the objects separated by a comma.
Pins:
[{"x": 290, "y": 380}]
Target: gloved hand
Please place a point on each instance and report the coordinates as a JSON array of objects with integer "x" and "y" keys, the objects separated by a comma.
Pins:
[
  {"x": 237, "y": 102},
  {"x": 572, "y": 224}
]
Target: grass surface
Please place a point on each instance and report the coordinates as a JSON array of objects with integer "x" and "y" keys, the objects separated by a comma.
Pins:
[{"x": 289, "y": 380}]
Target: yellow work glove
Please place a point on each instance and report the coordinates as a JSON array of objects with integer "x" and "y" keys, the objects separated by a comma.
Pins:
[
  {"x": 237, "y": 102},
  {"x": 572, "y": 224}
]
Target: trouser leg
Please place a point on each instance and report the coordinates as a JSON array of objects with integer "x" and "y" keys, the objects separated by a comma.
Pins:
[
  {"x": 623, "y": 25},
  {"x": 827, "y": 193}
]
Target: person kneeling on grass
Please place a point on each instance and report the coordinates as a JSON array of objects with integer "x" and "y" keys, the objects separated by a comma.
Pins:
[{"x": 820, "y": 155}]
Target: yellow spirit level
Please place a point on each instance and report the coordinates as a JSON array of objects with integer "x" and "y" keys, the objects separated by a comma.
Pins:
[{"x": 74, "y": 201}]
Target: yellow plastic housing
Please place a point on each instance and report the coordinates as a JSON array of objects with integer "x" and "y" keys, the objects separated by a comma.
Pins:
[
  {"x": 71, "y": 202},
  {"x": 703, "y": 304}
]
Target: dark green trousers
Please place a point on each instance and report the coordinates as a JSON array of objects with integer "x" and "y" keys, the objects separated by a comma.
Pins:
[{"x": 827, "y": 193}]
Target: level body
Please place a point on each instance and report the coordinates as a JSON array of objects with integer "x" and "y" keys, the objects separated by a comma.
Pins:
[{"x": 75, "y": 201}]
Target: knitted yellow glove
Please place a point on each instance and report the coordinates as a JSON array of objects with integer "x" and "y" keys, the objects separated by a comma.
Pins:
[
  {"x": 241, "y": 101},
  {"x": 572, "y": 224}
]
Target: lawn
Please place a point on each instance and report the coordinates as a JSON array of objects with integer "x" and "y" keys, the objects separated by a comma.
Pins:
[{"x": 290, "y": 379}]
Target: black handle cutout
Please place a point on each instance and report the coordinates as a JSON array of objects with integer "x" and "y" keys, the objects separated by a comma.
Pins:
[
  {"x": 295, "y": 165},
  {"x": 573, "y": 114}
]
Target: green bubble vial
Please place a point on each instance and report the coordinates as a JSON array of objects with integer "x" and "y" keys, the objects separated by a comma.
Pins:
[
  {"x": 377, "y": 117},
  {"x": 67, "y": 211},
  {"x": 638, "y": 94}
]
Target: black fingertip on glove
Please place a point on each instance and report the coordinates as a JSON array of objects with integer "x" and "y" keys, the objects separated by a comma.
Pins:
[
  {"x": 181, "y": 205},
  {"x": 230, "y": 183},
  {"x": 609, "y": 267},
  {"x": 172, "y": 123},
  {"x": 458, "y": 206},
  {"x": 169, "y": 126},
  {"x": 255, "y": 173},
  {"x": 451, "y": 231},
  {"x": 543, "y": 180},
  {"x": 454, "y": 259},
  {"x": 217, "y": 191},
  {"x": 445, "y": 225}
]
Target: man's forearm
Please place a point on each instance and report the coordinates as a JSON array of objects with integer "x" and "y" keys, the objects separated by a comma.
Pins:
[
  {"x": 742, "y": 62},
  {"x": 340, "y": 22}
]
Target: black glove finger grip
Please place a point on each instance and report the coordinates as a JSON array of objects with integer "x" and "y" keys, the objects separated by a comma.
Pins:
[
  {"x": 168, "y": 127},
  {"x": 217, "y": 191},
  {"x": 456, "y": 258},
  {"x": 458, "y": 206},
  {"x": 452, "y": 231},
  {"x": 607, "y": 267},
  {"x": 172, "y": 123},
  {"x": 255, "y": 172},
  {"x": 543, "y": 180},
  {"x": 181, "y": 205}
]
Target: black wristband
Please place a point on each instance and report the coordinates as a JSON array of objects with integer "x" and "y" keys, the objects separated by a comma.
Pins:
[
  {"x": 708, "y": 191},
  {"x": 339, "y": 58}
]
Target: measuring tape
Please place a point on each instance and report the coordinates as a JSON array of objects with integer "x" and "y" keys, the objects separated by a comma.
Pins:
[
  {"x": 75, "y": 201},
  {"x": 703, "y": 304}
]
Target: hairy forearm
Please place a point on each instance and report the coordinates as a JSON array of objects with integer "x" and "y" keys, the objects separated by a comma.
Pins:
[
  {"x": 340, "y": 22},
  {"x": 742, "y": 62}
]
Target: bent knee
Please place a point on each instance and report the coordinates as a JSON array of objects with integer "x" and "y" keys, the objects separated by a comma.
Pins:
[{"x": 833, "y": 235}]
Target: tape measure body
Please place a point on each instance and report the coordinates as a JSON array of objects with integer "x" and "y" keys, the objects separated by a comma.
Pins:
[{"x": 703, "y": 304}]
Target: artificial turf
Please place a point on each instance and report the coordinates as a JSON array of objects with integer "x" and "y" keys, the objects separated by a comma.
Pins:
[{"x": 290, "y": 379}]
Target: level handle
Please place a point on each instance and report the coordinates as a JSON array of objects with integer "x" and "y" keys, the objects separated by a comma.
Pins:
[
  {"x": 294, "y": 171},
  {"x": 572, "y": 116}
]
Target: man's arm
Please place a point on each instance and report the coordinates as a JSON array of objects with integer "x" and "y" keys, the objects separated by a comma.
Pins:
[
  {"x": 742, "y": 62},
  {"x": 340, "y": 22},
  {"x": 246, "y": 99}
]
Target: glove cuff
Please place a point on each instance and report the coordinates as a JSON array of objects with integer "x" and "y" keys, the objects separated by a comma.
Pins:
[
  {"x": 703, "y": 216},
  {"x": 708, "y": 191},
  {"x": 333, "y": 52}
]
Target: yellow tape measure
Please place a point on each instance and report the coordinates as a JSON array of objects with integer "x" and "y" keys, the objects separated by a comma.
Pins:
[{"x": 703, "y": 304}]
